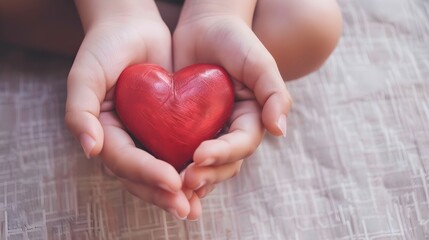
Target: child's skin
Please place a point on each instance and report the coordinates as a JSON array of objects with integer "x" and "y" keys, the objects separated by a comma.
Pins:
[{"x": 260, "y": 43}]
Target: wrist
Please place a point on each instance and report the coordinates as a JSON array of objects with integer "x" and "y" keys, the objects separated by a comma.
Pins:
[
  {"x": 198, "y": 9},
  {"x": 92, "y": 12}
]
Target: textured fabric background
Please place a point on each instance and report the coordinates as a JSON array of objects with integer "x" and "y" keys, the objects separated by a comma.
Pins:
[{"x": 354, "y": 165}]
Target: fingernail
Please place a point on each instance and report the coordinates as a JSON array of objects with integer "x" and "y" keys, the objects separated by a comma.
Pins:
[
  {"x": 282, "y": 124},
  {"x": 87, "y": 143},
  {"x": 166, "y": 187},
  {"x": 175, "y": 214}
]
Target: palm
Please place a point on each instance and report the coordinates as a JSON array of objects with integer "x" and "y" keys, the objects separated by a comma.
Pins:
[
  {"x": 108, "y": 48},
  {"x": 211, "y": 41}
]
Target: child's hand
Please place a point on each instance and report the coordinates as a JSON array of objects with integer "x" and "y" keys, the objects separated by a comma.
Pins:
[
  {"x": 219, "y": 32},
  {"x": 119, "y": 34}
]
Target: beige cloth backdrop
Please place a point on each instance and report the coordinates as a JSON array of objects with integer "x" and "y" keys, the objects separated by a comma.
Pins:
[{"x": 354, "y": 164}]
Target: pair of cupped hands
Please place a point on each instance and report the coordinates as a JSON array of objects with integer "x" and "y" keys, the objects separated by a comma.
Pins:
[{"x": 217, "y": 35}]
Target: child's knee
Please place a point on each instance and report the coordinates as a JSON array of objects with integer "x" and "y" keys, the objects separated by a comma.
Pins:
[{"x": 300, "y": 34}]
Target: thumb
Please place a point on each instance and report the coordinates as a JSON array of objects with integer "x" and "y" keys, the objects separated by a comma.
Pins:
[{"x": 86, "y": 89}]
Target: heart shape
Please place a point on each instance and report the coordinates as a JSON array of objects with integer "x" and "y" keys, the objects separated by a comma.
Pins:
[{"x": 172, "y": 114}]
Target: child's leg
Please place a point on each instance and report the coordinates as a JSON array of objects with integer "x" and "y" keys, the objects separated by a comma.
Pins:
[{"x": 300, "y": 34}]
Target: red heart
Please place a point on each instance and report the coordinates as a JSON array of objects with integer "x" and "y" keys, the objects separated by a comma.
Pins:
[{"x": 171, "y": 114}]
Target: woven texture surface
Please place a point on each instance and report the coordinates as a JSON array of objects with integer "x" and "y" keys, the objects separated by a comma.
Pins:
[{"x": 354, "y": 165}]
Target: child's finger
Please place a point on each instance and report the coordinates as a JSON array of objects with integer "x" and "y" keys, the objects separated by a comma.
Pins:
[
  {"x": 174, "y": 203},
  {"x": 196, "y": 177},
  {"x": 195, "y": 208},
  {"x": 247, "y": 60},
  {"x": 126, "y": 161},
  {"x": 244, "y": 136},
  {"x": 203, "y": 191},
  {"x": 194, "y": 202},
  {"x": 85, "y": 92}
]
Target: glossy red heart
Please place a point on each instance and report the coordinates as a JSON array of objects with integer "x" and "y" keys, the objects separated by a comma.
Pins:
[{"x": 171, "y": 114}]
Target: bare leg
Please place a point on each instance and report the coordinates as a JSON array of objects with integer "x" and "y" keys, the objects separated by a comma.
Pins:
[{"x": 300, "y": 34}]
